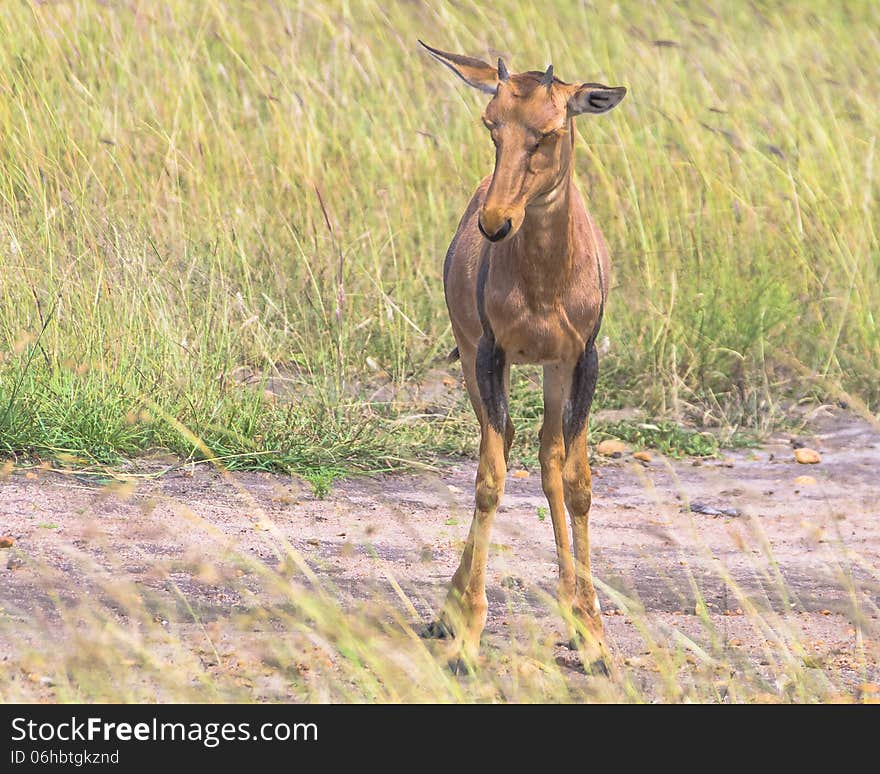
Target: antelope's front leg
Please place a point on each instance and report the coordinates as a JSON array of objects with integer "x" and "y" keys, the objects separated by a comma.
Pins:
[
  {"x": 466, "y": 607},
  {"x": 577, "y": 483}
]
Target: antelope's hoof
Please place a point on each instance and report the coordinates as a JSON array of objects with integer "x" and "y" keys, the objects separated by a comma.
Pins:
[
  {"x": 598, "y": 668},
  {"x": 459, "y": 667},
  {"x": 436, "y": 630}
]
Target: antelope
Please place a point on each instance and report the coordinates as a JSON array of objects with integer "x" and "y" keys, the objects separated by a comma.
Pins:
[{"x": 526, "y": 278}]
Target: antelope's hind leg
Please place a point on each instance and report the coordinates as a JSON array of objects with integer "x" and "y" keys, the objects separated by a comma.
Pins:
[
  {"x": 465, "y": 610},
  {"x": 577, "y": 485},
  {"x": 552, "y": 457}
]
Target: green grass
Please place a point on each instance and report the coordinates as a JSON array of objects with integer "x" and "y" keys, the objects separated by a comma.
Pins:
[
  {"x": 666, "y": 437},
  {"x": 187, "y": 189}
]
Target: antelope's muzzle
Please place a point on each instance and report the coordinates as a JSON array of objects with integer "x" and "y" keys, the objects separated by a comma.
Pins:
[{"x": 499, "y": 234}]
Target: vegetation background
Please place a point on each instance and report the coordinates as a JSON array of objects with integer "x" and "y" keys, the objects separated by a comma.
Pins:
[
  {"x": 190, "y": 192},
  {"x": 222, "y": 229}
]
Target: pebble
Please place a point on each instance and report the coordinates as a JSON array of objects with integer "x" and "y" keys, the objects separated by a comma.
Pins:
[
  {"x": 807, "y": 456},
  {"x": 611, "y": 447}
]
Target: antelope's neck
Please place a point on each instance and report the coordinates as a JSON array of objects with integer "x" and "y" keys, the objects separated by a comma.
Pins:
[{"x": 541, "y": 251}]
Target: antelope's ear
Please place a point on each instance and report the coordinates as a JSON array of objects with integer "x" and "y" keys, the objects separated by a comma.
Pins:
[
  {"x": 472, "y": 71},
  {"x": 594, "y": 98}
]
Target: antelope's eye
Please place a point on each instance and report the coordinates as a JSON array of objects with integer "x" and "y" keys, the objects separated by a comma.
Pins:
[{"x": 542, "y": 139}]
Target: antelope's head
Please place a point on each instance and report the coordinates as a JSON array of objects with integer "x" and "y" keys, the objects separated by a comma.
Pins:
[{"x": 530, "y": 120}]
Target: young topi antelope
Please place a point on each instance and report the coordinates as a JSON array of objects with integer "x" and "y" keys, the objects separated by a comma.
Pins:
[{"x": 526, "y": 280}]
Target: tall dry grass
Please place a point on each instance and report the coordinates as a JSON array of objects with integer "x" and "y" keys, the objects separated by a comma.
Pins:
[{"x": 187, "y": 189}]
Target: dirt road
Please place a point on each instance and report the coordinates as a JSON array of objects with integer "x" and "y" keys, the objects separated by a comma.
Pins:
[{"x": 805, "y": 553}]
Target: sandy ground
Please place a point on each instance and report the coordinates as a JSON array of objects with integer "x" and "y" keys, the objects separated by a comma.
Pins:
[{"x": 810, "y": 550}]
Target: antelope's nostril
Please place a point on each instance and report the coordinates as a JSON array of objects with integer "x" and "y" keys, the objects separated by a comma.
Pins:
[{"x": 499, "y": 234}]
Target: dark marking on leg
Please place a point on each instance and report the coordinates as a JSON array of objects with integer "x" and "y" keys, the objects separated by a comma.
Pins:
[
  {"x": 490, "y": 362},
  {"x": 584, "y": 376},
  {"x": 509, "y": 433},
  {"x": 490, "y": 381},
  {"x": 482, "y": 276},
  {"x": 583, "y": 387}
]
